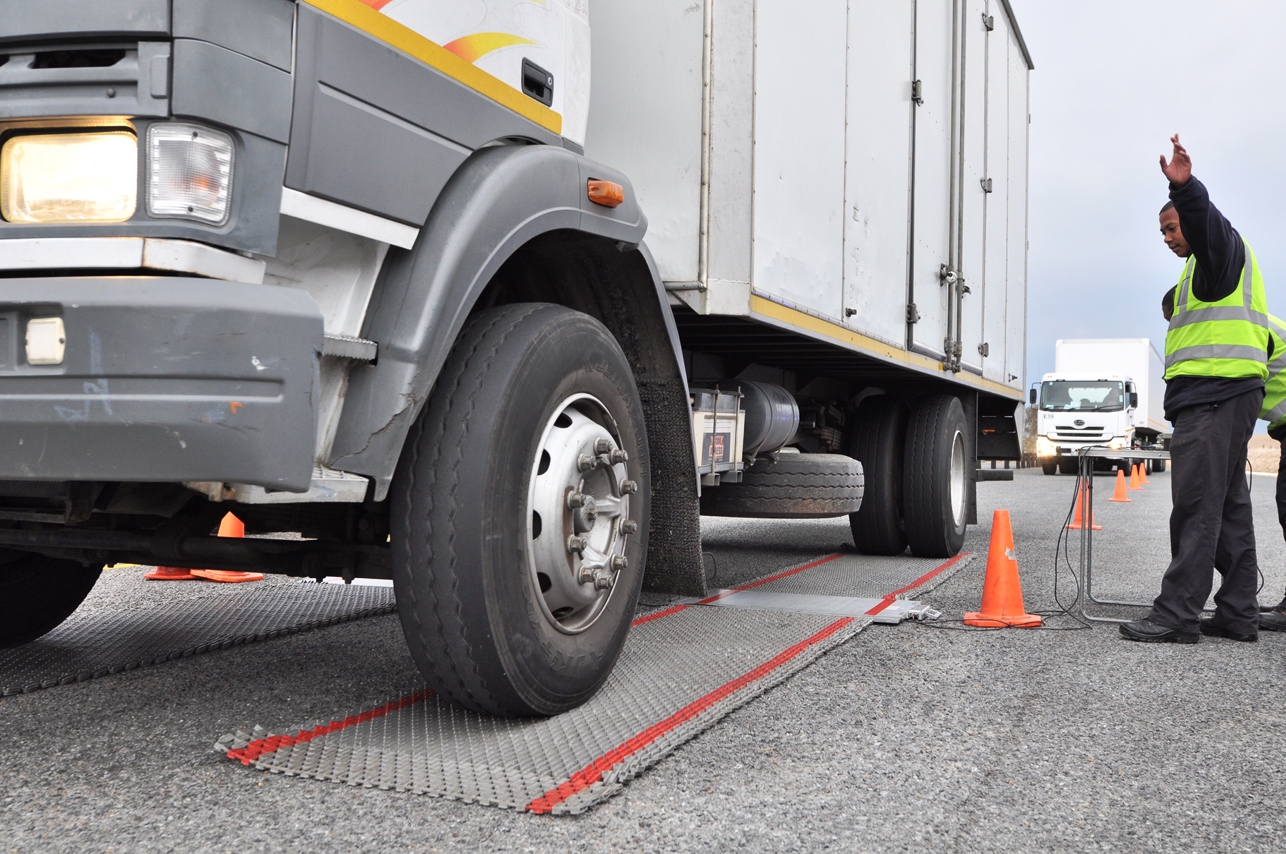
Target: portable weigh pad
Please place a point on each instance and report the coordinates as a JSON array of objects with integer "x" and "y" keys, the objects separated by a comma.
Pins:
[
  {"x": 683, "y": 669},
  {"x": 104, "y": 642}
]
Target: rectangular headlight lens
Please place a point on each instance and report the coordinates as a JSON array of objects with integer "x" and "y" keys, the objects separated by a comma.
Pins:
[
  {"x": 69, "y": 177},
  {"x": 189, "y": 172}
]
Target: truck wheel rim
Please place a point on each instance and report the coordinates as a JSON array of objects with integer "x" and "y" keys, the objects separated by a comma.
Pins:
[
  {"x": 957, "y": 479},
  {"x": 579, "y": 522}
]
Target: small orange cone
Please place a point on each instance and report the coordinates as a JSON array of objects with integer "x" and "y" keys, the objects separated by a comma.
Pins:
[
  {"x": 1077, "y": 522},
  {"x": 231, "y": 526},
  {"x": 1002, "y": 592},
  {"x": 170, "y": 573},
  {"x": 1143, "y": 473},
  {"x": 1120, "y": 496},
  {"x": 1136, "y": 482}
]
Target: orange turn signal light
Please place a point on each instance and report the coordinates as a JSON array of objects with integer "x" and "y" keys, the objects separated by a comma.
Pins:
[{"x": 609, "y": 194}]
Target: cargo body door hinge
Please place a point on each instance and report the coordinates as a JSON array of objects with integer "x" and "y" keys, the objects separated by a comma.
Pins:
[
  {"x": 917, "y": 92},
  {"x": 912, "y": 313}
]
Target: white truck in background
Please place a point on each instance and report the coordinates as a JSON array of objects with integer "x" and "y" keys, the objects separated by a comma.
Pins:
[{"x": 1103, "y": 391}]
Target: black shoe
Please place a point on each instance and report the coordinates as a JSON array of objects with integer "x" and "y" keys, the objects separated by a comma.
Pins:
[
  {"x": 1211, "y": 629},
  {"x": 1147, "y": 631},
  {"x": 1273, "y": 621}
]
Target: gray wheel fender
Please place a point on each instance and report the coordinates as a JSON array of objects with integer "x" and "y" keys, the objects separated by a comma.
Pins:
[{"x": 501, "y": 198}]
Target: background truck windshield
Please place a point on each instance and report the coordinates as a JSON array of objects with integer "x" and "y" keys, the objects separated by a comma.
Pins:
[{"x": 1065, "y": 395}]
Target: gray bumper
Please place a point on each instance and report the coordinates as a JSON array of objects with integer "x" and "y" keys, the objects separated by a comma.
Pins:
[{"x": 164, "y": 379}]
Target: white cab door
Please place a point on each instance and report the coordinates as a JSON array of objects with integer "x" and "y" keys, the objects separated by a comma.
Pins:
[
  {"x": 878, "y": 171},
  {"x": 800, "y": 97}
]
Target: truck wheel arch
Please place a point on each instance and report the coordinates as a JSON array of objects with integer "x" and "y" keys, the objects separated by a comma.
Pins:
[{"x": 514, "y": 224}]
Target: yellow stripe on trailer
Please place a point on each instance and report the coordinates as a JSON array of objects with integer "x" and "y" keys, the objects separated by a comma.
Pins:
[
  {"x": 819, "y": 328},
  {"x": 410, "y": 42}
]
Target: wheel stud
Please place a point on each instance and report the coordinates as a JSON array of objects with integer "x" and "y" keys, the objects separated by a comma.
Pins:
[
  {"x": 629, "y": 487},
  {"x": 575, "y": 544},
  {"x": 602, "y": 446},
  {"x": 576, "y": 500},
  {"x": 629, "y": 526},
  {"x": 585, "y": 462},
  {"x": 620, "y": 562},
  {"x": 602, "y": 579},
  {"x": 618, "y": 456}
]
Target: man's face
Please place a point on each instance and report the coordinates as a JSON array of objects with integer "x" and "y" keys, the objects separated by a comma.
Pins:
[{"x": 1172, "y": 234}]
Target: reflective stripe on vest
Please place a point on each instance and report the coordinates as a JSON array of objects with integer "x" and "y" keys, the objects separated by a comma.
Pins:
[
  {"x": 1227, "y": 338},
  {"x": 1274, "y": 410}
]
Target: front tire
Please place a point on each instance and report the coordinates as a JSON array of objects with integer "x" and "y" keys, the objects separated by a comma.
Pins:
[
  {"x": 1050, "y": 467},
  {"x": 936, "y": 471},
  {"x": 38, "y": 593},
  {"x": 520, "y": 513}
]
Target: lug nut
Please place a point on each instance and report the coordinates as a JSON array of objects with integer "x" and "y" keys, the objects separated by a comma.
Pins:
[
  {"x": 576, "y": 500},
  {"x": 629, "y": 487},
  {"x": 618, "y": 457},
  {"x": 620, "y": 562},
  {"x": 629, "y": 526},
  {"x": 586, "y": 574},
  {"x": 585, "y": 462},
  {"x": 602, "y": 446},
  {"x": 575, "y": 544},
  {"x": 602, "y": 579}
]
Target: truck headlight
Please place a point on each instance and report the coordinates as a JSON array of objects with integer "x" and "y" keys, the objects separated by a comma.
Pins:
[
  {"x": 1116, "y": 444},
  {"x": 1045, "y": 448},
  {"x": 69, "y": 177},
  {"x": 189, "y": 172}
]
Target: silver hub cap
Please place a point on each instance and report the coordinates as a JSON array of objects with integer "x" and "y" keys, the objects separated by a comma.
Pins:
[
  {"x": 580, "y": 519},
  {"x": 957, "y": 480}
]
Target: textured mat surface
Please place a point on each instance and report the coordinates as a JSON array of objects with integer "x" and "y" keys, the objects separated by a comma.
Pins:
[
  {"x": 564, "y": 764},
  {"x": 683, "y": 669},
  {"x": 102, "y": 642}
]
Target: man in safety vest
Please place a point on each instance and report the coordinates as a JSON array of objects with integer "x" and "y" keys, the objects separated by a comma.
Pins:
[{"x": 1216, "y": 355}]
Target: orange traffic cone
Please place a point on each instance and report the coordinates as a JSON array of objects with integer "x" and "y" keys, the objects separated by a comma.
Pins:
[
  {"x": 231, "y": 526},
  {"x": 1002, "y": 592},
  {"x": 1077, "y": 522},
  {"x": 1136, "y": 482},
  {"x": 1119, "y": 495},
  {"x": 1143, "y": 473},
  {"x": 170, "y": 573}
]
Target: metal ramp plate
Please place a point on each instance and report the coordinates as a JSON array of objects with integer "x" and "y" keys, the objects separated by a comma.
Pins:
[
  {"x": 97, "y": 644},
  {"x": 883, "y": 610},
  {"x": 683, "y": 669}
]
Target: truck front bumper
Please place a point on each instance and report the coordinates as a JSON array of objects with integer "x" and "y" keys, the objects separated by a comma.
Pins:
[{"x": 163, "y": 379}]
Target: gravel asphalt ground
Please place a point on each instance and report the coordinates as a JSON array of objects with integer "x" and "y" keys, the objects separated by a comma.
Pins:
[{"x": 907, "y": 737}]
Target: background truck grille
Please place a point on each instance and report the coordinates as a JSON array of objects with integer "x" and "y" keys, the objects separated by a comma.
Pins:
[{"x": 1080, "y": 434}]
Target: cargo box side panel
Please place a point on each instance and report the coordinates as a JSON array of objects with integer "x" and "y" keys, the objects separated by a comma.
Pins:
[
  {"x": 799, "y": 152},
  {"x": 972, "y": 189},
  {"x": 732, "y": 95},
  {"x": 1016, "y": 308},
  {"x": 877, "y": 222},
  {"x": 645, "y": 118},
  {"x": 996, "y": 261},
  {"x": 933, "y": 152}
]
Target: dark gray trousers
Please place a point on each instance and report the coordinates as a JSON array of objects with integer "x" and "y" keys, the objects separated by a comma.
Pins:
[{"x": 1211, "y": 524}]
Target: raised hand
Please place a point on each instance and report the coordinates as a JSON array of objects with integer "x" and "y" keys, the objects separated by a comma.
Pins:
[{"x": 1179, "y": 169}]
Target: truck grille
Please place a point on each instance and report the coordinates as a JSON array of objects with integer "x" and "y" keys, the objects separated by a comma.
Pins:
[{"x": 1079, "y": 434}]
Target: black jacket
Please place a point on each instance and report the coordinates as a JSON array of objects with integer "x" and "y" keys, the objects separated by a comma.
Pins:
[{"x": 1220, "y": 256}]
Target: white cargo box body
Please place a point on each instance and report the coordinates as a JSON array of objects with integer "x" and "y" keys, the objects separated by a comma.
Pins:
[
  {"x": 818, "y": 166},
  {"x": 1132, "y": 358}
]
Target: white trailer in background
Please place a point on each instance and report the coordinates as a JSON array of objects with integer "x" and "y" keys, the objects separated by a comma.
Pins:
[{"x": 1103, "y": 391}]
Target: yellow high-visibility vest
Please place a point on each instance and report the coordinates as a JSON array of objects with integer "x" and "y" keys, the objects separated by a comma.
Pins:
[{"x": 1227, "y": 338}]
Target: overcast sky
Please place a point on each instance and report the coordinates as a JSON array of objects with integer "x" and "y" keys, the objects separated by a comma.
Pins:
[{"x": 1113, "y": 81}]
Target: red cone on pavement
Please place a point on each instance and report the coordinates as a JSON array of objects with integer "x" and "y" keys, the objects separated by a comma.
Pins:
[
  {"x": 1120, "y": 496},
  {"x": 1002, "y": 592},
  {"x": 1077, "y": 522},
  {"x": 231, "y": 526}
]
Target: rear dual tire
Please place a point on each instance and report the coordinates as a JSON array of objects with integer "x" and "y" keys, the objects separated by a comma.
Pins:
[
  {"x": 38, "y": 593},
  {"x": 917, "y": 476}
]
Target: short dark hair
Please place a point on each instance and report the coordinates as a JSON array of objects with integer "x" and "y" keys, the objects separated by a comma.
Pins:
[
  {"x": 1167, "y": 301},
  {"x": 1168, "y": 206}
]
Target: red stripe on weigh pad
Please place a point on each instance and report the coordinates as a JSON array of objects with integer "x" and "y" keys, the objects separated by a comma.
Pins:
[
  {"x": 890, "y": 598},
  {"x": 593, "y": 773}
]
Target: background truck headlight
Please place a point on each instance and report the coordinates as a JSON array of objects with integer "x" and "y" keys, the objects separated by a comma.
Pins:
[
  {"x": 1045, "y": 448},
  {"x": 69, "y": 177},
  {"x": 1116, "y": 444},
  {"x": 189, "y": 172}
]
